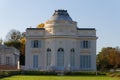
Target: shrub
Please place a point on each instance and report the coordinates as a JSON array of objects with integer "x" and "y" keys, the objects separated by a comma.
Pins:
[
  {"x": 113, "y": 74},
  {"x": 39, "y": 73},
  {"x": 8, "y": 73}
]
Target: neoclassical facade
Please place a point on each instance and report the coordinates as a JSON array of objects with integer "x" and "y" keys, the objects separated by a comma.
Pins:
[
  {"x": 9, "y": 57},
  {"x": 60, "y": 45}
]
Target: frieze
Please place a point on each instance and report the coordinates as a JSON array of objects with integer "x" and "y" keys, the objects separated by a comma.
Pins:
[{"x": 35, "y": 51}]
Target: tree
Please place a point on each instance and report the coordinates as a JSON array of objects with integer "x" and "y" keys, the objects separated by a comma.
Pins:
[
  {"x": 108, "y": 58},
  {"x": 15, "y": 44},
  {"x": 17, "y": 39},
  {"x": 102, "y": 59},
  {"x": 22, "y": 49},
  {"x": 13, "y": 35},
  {"x": 114, "y": 58}
]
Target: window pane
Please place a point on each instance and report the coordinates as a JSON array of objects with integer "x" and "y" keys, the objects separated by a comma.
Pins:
[
  {"x": 85, "y": 44},
  {"x": 48, "y": 57},
  {"x": 8, "y": 60},
  {"x": 35, "y": 61},
  {"x": 85, "y": 61},
  {"x": 60, "y": 57},
  {"x": 72, "y": 58},
  {"x": 39, "y": 44},
  {"x": 35, "y": 43}
]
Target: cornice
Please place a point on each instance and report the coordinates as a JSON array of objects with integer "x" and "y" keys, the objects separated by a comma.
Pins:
[{"x": 63, "y": 36}]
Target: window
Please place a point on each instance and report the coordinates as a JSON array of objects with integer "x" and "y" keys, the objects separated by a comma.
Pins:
[
  {"x": 85, "y": 44},
  {"x": 60, "y": 57},
  {"x": 16, "y": 59},
  {"x": 72, "y": 57},
  {"x": 35, "y": 44},
  {"x": 8, "y": 60},
  {"x": 85, "y": 61},
  {"x": 35, "y": 61},
  {"x": 48, "y": 57}
]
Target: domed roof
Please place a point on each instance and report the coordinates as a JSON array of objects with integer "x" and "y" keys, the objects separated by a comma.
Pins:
[{"x": 60, "y": 15}]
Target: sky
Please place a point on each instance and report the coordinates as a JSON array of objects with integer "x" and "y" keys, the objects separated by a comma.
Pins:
[{"x": 104, "y": 15}]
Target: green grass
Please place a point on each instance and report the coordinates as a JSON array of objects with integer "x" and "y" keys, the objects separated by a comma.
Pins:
[{"x": 24, "y": 77}]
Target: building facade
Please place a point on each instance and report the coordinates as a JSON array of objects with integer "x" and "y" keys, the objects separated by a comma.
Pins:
[
  {"x": 60, "y": 45},
  {"x": 9, "y": 57}
]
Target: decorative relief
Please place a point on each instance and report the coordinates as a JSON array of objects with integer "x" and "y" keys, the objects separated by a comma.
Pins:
[
  {"x": 85, "y": 51},
  {"x": 35, "y": 51}
]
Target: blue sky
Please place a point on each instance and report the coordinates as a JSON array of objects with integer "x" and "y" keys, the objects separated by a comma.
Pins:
[{"x": 104, "y": 15}]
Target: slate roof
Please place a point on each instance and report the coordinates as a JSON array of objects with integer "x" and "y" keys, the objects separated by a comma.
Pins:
[{"x": 61, "y": 15}]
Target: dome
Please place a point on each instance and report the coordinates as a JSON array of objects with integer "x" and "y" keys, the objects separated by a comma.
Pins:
[{"x": 60, "y": 15}]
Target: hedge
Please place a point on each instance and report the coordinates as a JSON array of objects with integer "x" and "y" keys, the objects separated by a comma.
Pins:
[{"x": 9, "y": 73}]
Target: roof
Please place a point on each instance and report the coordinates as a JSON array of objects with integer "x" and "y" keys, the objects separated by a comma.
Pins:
[
  {"x": 8, "y": 49},
  {"x": 35, "y": 28},
  {"x": 61, "y": 15},
  {"x": 85, "y": 28}
]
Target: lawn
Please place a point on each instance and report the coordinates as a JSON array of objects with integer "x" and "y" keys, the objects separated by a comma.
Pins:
[{"x": 24, "y": 77}]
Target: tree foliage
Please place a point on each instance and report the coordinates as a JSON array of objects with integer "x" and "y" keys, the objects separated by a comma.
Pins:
[
  {"x": 17, "y": 39},
  {"x": 15, "y": 44},
  {"x": 22, "y": 49},
  {"x": 108, "y": 58},
  {"x": 41, "y": 25},
  {"x": 13, "y": 35}
]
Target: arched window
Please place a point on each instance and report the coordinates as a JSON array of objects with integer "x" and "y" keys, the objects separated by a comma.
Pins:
[
  {"x": 72, "y": 57},
  {"x": 60, "y": 57},
  {"x": 48, "y": 57}
]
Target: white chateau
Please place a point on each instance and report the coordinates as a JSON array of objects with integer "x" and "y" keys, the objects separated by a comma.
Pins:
[
  {"x": 9, "y": 57},
  {"x": 60, "y": 45}
]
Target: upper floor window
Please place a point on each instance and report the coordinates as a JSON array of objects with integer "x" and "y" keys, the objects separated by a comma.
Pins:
[
  {"x": 85, "y": 44},
  {"x": 35, "y": 44}
]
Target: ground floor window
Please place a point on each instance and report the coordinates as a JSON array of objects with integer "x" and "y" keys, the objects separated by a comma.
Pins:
[
  {"x": 72, "y": 57},
  {"x": 35, "y": 61},
  {"x": 60, "y": 57},
  {"x": 48, "y": 57},
  {"x": 85, "y": 61},
  {"x": 8, "y": 60}
]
